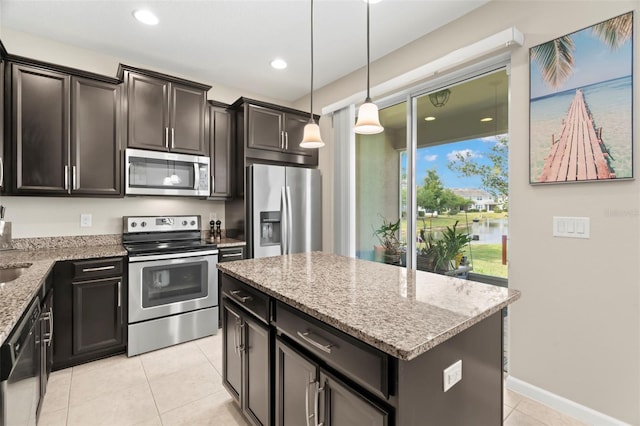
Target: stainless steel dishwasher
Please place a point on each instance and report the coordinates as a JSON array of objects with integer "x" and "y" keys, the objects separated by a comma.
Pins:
[{"x": 20, "y": 371}]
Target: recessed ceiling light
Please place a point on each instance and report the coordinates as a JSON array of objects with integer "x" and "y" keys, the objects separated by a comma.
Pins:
[
  {"x": 486, "y": 119},
  {"x": 278, "y": 64},
  {"x": 429, "y": 118},
  {"x": 146, "y": 17}
]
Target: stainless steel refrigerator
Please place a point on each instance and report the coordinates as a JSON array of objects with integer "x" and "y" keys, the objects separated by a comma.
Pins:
[{"x": 284, "y": 210}]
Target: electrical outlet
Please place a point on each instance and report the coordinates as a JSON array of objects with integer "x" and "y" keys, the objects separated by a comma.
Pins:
[
  {"x": 85, "y": 220},
  {"x": 452, "y": 375}
]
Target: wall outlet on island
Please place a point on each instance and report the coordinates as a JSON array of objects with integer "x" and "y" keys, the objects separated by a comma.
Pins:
[
  {"x": 452, "y": 375},
  {"x": 85, "y": 220}
]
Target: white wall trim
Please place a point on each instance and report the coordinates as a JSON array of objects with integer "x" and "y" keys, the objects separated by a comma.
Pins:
[
  {"x": 501, "y": 40},
  {"x": 564, "y": 405},
  {"x": 344, "y": 184}
]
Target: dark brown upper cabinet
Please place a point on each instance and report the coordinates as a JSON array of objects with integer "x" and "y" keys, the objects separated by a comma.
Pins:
[
  {"x": 220, "y": 149},
  {"x": 95, "y": 137},
  {"x": 65, "y": 132},
  {"x": 272, "y": 133},
  {"x": 164, "y": 113}
]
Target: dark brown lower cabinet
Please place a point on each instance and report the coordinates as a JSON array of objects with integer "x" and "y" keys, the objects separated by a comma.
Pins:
[
  {"x": 97, "y": 315},
  {"x": 306, "y": 394},
  {"x": 246, "y": 362},
  {"x": 89, "y": 302}
]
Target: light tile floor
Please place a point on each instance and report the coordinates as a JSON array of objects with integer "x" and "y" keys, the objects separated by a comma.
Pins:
[{"x": 181, "y": 385}]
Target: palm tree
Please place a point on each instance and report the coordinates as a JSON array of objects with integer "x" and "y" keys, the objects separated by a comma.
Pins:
[{"x": 555, "y": 58}]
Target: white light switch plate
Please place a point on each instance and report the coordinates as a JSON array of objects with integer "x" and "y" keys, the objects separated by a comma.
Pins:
[
  {"x": 85, "y": 220},
  {"x": 571, "y": 227},
  {"x": 452, "y": 375}
]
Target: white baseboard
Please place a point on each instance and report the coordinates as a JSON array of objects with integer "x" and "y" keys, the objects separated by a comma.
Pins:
[{"x": 561, "y": 404}]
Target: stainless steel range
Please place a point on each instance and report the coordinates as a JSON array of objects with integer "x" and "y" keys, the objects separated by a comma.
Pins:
[{"x": 173, "y": 282}]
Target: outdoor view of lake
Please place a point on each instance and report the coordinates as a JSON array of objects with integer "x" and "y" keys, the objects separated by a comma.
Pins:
[{"x": 610, "y": 104}]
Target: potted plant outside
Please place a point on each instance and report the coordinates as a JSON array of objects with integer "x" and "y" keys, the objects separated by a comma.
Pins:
[
  {"x": 442, "y": 255},
  {"x": 387, "y": 234}
]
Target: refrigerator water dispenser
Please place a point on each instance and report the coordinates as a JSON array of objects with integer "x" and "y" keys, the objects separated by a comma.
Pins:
[{"x": 270, "y": 228}]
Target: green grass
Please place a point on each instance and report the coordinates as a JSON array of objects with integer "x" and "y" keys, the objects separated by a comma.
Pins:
[{"x": 487, "y": 259}]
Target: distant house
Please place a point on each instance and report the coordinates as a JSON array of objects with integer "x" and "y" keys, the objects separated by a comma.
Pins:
[{"x": 481, "y": 199}]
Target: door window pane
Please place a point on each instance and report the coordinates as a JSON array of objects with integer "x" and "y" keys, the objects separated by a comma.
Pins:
[{"x": 381, "y": 186}]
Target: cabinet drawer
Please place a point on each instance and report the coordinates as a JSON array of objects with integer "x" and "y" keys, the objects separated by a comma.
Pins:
[
  {"x": 96, "y": 268},
  {"x": 249, "y": 298},
  {"x": 361, "y": 363},
  {"x": 230, "y": 253}
]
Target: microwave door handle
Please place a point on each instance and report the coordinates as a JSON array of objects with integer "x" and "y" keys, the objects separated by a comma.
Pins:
[{"x": 196, "y": 176}]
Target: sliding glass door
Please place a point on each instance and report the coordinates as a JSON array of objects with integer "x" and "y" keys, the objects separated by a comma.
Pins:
[{"x": 439, "y": 173}]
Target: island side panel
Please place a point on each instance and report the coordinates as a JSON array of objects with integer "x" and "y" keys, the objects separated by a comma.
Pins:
[{"x": 475, "y": 400}]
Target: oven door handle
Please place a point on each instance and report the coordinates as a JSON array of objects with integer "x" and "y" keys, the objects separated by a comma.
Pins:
[{"x": 169, "y": 256}]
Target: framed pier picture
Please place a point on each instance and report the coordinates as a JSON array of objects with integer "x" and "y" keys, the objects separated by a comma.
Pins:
[{"x": 581, "y": 105}]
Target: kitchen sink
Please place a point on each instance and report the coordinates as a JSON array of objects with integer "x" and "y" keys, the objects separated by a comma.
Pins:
[{"x": 13, "y": 272}]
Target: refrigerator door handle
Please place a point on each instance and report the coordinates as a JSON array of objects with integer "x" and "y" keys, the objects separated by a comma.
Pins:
[
  {"x": 283, "y": 221},
  {"x": 289, "y": 222}
]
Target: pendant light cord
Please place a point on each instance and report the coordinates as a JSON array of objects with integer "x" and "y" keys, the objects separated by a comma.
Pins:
[
  {"x": 311, "y": 112},
  {"x": 368, "y": 59}
]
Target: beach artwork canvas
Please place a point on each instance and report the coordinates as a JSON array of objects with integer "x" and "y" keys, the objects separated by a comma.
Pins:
[{"x": 581, "y": 115}]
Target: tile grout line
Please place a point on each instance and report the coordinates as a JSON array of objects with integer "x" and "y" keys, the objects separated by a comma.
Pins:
[{"x": 146, "y": 376}]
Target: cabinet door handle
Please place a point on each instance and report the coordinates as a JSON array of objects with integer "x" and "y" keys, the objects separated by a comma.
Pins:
[
  {"x": 74, "y": 177},
  {"x": 306, "y": 403},
  {"x": 316, "y": 404},
  {"x": 119, "y": 294},
  {"x": 99, "y": 268},
  {"x": 305, "y": 336},
  {"x": 173, "y": 137},
  {"x": 166, "y": 137},
  {"x": 50, "y": 325},
  {"x": 286, "y": 140},
  {"x": 236, "y": 295},
  {"x": 232, "y": 255},
  {"x": 66, "y": 178},
  {"x": 281, "y": 140},
  {"x": 1, "y": 172}
]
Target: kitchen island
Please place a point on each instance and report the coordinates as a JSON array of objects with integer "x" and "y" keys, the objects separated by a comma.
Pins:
[{"x": 342, "y": 341}]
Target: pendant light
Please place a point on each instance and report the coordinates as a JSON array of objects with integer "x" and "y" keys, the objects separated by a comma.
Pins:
[
  {"x": 368, "y": 121},
  {"x": 311, "y": 136}
]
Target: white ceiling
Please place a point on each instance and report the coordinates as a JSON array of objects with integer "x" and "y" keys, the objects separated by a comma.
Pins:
[{"x": 231, "y": 42}]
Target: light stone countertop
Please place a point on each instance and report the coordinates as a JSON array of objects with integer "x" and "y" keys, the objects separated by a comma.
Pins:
[
  {"x": 16, "y": 295},
  {"x": 402, "y": 312}
]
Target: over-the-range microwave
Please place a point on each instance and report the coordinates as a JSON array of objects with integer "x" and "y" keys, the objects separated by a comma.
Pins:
[{"x": 166, "y": 173}]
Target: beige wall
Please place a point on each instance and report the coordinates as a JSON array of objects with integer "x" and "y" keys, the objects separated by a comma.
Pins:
[
  {"x": 55, "y": 216},
  {"x": 576, "y": 330}
]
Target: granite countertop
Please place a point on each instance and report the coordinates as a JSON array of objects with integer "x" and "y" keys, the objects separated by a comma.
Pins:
[
  {"x": 402, "y": 312},
  {"x": 16, "y": 295},
  {"x": 42, "y": 254}
]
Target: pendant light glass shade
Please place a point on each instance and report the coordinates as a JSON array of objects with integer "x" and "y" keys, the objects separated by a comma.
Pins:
[
  {"x": 311, "y": 137},
  {"x": 368, "y": 119}
]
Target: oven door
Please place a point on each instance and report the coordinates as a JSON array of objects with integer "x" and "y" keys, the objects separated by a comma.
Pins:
[{"x": 168, "y": 284}]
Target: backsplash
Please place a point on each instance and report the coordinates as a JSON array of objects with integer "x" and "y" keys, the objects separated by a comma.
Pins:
[{"x": 75, "y": 241}]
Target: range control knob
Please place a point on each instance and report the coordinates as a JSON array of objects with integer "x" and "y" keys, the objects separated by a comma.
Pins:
[
  {"x": 134, "y": 224},
  {"x": 143, "y": 224},
  {"x": 193, "y": 222},
  {"x": 184, "y": 223}
]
